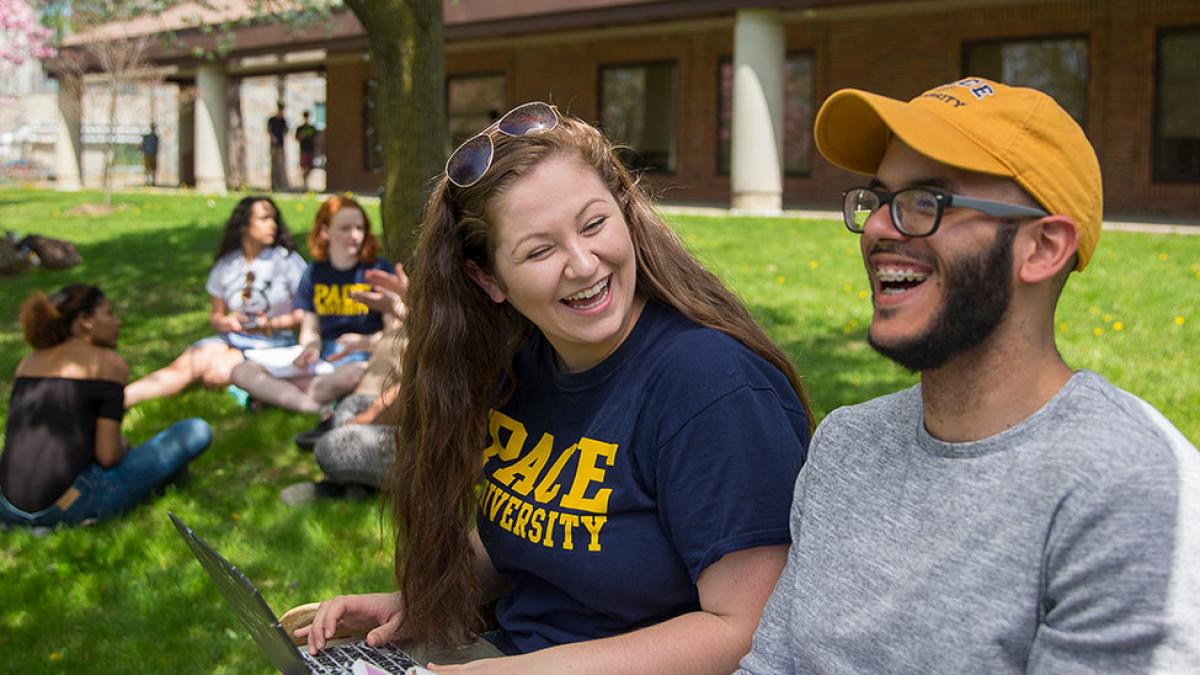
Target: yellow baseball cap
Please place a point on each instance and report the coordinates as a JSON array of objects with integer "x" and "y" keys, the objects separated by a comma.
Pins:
[{"x": 977, "y": 125}]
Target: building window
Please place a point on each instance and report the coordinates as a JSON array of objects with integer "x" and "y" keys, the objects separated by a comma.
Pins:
[
  {"x": 637, "y": 110},
  {"x": 1177, "y": 112},
  {"x": 472, "y": 103},
  {"x": 797, "y": 114},
  {"x": 372, "y": 148},
  {"x": 1056, "y": 66}
]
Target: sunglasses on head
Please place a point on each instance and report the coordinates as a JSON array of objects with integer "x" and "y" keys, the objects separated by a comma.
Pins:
[{"x": 471, "y": 160}]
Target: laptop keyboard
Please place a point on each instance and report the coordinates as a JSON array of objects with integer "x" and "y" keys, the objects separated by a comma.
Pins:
[{"x": 339, "y": 659}]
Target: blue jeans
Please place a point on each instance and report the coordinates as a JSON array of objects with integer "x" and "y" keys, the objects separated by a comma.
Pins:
[{"x": 103, "y": 493}]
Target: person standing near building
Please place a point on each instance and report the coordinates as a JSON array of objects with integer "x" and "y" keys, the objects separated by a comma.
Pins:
[
  {"x": 306, "y": 136},
  {"x": 277, "y": 127},
  {"x": 1009, "y": 514},
  {"x": 150, "y": 154}
]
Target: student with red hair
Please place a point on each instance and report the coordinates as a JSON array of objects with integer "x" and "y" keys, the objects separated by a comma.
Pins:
[{"x": 335, "y": 327}]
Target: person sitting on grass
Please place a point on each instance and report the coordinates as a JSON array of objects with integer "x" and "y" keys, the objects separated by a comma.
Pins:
[
  {"x": 64, "y": 459},
  {"x": 251, "y": 286},
  {"x": 334, "y": 326},
  {"x": 592, "y": 430},
  {"x": 355, "y": 445}
]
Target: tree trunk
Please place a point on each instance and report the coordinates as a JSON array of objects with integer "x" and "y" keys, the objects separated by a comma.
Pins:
[
  {"x": 406, "y": 45},
  {"x": 110, "y": 139}
]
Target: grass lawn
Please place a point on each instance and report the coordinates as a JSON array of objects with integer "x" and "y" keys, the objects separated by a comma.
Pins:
[{"x": 130, "y": 592}]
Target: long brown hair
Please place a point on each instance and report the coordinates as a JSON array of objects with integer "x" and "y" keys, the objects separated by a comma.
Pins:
[
  {"x": 461, "y": 344},
  {"x": 319, "y": 247}
]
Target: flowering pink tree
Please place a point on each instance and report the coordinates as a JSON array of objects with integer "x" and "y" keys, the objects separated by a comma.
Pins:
[{"x": 22, "y": 36}]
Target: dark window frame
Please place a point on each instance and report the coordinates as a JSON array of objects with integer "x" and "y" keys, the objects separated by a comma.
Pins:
[
  {"x": 1039, "y": 37},
  {"x": 468, "y": 75},
  {"x": 676, "y": 85},
  {"x": 1155, "y": 175},
  {"x": 367, "y": 157},
  {"x": 728, "y": 58}
]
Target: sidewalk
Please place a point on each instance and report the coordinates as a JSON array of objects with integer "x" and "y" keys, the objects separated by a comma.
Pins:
[{"x": 1116, "y": 225}]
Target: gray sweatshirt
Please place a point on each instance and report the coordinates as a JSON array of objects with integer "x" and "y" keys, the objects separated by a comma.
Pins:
[{"x": 1068, "y": 543}]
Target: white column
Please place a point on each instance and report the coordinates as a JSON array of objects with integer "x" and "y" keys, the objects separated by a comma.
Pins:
[
  {"x": 68, "y": 136},
  {"x": 211, "y": 131},
  {"x": 759, "y": 52}
]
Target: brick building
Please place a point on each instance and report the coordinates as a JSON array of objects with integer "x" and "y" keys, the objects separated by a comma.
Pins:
[{"x": 716, "y": 97}]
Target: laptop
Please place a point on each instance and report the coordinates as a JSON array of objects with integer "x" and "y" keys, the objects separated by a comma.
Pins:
[{"x": 352, "y": 659}]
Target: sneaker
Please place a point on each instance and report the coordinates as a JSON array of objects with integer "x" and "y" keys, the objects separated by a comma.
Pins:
[
  {"x": 240, "y": 396},
  {"x": 307, "y": 491},
  {"x": 307, "y": 440}
]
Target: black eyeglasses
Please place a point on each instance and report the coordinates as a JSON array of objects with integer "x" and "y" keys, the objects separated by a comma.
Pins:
[
  {"x": 917, "y": 211},
  {"x": 471, "y": 160}
]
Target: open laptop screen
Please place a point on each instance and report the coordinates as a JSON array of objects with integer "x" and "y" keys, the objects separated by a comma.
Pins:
[{"x": 246, "y": 601}]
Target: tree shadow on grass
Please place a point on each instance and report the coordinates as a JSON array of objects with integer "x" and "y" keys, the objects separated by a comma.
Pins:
[{"x": 151, "y": 277}]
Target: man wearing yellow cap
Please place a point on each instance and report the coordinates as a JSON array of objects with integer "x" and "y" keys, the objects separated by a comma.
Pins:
[{"x": 1007, "y": 514}]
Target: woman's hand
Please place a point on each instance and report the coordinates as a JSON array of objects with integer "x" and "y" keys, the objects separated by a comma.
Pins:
[
  {"x": 378, "y": 613},
  {"x": 348, "y": 343},
  {"x": 230, "y": 323},
  {"x": 387, "y": 293},
  {"x": 309, "y": 355}
]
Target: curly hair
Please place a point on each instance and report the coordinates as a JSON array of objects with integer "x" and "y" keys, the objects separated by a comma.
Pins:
[
  {"x": 461, "y": 346},
  {"x": 239, "y": 221},
  {"x": 319, "y": 247},
  {"x": 47, "y": 320}
]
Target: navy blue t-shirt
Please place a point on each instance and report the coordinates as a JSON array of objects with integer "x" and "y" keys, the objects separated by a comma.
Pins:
[
  {"x": 325, "y": 291},
  {"x": 608, "y": 492}
]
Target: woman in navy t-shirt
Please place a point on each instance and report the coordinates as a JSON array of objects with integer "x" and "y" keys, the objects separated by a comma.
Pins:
[
  {"x": 593, "y": 431},
  {"x": 336, "y": 328}
]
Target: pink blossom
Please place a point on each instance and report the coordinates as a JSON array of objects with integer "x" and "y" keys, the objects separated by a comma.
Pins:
[{"x": 21, "y": 34}]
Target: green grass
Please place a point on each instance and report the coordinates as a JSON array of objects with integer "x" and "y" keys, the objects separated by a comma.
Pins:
[{"x": 129, "y": 590}]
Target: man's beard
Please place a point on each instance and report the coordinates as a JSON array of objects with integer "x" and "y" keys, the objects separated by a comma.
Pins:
[{"x": 976, "y": 296}]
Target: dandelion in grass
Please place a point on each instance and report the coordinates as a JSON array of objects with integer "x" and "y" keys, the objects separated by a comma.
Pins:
[
  {"x": 1097, "y": 331},
  {"x": 849, "y": 288},
  {"x": 1108, "y": 318},
  {"x": 1064, "y": 327},
  {"x": 348, "y": 194},
  {"x": 1162, "y": 256},
  {"x": 781, "y": 279},
  {"x": 812, "y": 264},
  {"x": 1118, "y": 326},
  {"x": 56, "y": 656},
  {"x": 1179, "y": 320},
  {"x": 863, "y": 295}
]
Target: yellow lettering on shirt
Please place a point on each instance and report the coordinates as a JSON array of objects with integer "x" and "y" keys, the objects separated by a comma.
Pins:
[
  {"x": 587, "y": 473},
  {"x": 594, "y": 525},
  {"x": 528, "y": 467},
  {"x": 509, "y": 450},
  {"x": 527, "y": 495}
]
